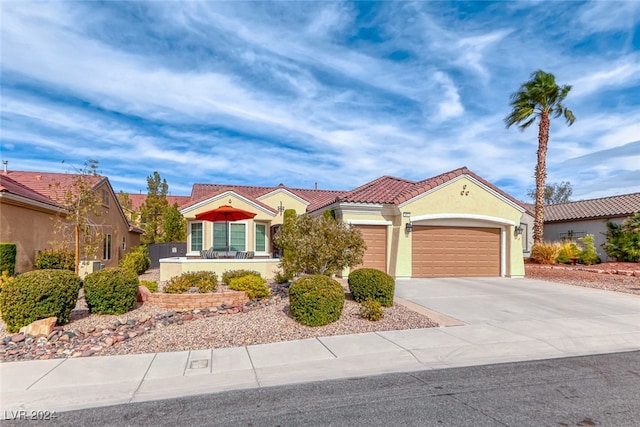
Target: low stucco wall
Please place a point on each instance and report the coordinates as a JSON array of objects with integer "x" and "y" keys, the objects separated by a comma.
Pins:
[{"x": 171, "y": 267}]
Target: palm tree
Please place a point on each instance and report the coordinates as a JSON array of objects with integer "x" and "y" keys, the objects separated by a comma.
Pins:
[{"x": 539, "y": 97}]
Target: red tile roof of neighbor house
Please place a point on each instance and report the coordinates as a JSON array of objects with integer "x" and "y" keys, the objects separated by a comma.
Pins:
[
  {"x": 138, "y": 199},
  {"x": 8, "y": 185},
  {"x": 49, "y": 184},
  {"x": 605, "y": 207}
]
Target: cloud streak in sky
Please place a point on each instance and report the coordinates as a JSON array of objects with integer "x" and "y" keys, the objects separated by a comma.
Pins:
[{"x": 330, "y": 92}]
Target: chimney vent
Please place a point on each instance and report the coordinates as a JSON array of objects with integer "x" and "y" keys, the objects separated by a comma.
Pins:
[
  {"x": 315, "y": 187},
  {"x": 5, "y": 166}
]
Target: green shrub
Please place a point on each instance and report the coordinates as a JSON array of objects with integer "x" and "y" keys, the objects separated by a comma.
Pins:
[
  {"x": 254, "y": 286},
  {"x": 205, "y": 281},
  {"x": 8, "y": 258},
  {"x": 56, "y": 259},
  {"x": 588, "y": 255},
  {"x": 623, "y": 240},
  {"x": 567, "y": 251},
  {"x": 5, "y": 278},
  {"x": 149, "y": 284},
  {"x": 316, "y": 300},
  {"x": 37, "y": 295},
  {"x": 371, "y": 309},
  {"x": 227, "y": 276},
  {"x": 137, "y": 260},
  {"x": 366, "y": 283},
  {"x": 281, "y": 277},
  {"x": 111, "y": 291},
  {"x": 545, "y": 253}
]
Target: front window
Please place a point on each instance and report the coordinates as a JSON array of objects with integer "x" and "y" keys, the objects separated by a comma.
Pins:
[
  {"x": 261, "y": 238},
  {"x": 195, "y": 232},
  {"x": 234, "y": 240},
  {"x": 106, "y": 249}
]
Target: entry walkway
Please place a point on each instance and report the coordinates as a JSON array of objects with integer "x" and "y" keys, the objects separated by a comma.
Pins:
[{"x": 499, "y": 320}]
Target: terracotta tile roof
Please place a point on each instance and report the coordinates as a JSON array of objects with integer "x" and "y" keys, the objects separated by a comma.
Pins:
[
  {"x": 316, "y": 198},
  {"x": 138, "y": 199},
  {"x": 391, "y": 190},
  {"x": 45, "y": 182},
  {"x": 605, "y": 207},
  {"x": 8, "y": 185}
]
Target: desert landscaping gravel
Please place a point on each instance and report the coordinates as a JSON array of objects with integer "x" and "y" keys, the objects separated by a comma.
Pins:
[{"x": 151, "y": 329}]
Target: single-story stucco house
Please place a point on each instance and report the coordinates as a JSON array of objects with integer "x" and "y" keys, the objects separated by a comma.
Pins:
[
  {"x": 453, "y": 224},
  {"x": 28, "y": 211},
  {"x": 572, "y": 220}
]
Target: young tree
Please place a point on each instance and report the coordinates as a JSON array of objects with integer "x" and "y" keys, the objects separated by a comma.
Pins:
[
  {"x": 175, "y": 226},
  {"x": 554, "y": 193},
  {"x": 78, "y": 226},
  {"x": 540, "y": 98},
  {"x": 318, "y": 245},
  {"x": 623, "y": 241},
  {"x": 154, "y": 208},
  {"x": 127, "y": 207}
]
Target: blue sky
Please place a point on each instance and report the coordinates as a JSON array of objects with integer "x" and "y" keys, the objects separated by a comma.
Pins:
[{"x": 337, "y": 93}]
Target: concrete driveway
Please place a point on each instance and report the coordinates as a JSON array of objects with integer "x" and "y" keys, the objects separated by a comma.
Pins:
[{"x": 502, "y": 309}]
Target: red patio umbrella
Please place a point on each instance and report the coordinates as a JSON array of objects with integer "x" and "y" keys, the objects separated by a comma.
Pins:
[{"x": 225, "y": 213}]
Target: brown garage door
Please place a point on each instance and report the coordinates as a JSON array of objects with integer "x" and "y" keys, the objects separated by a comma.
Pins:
[
  {"x": 375, "y": 237},
  {"x": 455, "y": 251}
]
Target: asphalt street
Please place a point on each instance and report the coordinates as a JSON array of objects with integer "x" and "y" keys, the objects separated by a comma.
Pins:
[{"x": 597, "y": 390}]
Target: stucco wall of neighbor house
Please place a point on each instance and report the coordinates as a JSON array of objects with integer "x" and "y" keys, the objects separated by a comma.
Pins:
[
  {"x": 171, "y": 267},
  {"x": 464, "y": 202},
  {"x": 555, "y": 231},
  {"x": 31, "y": 230},
  {"x": 111, "y": 221}
]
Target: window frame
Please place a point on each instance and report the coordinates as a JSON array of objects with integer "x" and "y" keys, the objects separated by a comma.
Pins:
[
  {"x": 255, "y": 237},
  {"x": 190, "y": 236},
  {"x": 107, "y": 246}
]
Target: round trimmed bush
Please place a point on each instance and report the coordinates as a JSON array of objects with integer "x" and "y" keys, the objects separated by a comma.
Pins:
[
  {"x": 137, "y": 260},
  {"x": 205, "y": 281},
  {"x": 371, "y": 310},
  {"x": 366, "y": 283},
  {"x": 228, "y": 276},
  {"x": 254, "y": 286},
  {"x": 316, "y": 300},
  {"x": 111, "y": 291},
  {"x": 37, "y": 295}
]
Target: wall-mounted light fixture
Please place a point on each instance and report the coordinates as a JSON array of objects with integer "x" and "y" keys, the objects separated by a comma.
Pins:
[
  {"x": 518, "y": 230},
  {"x": 408, "y": 228},
  {"x": 281, "y": 208}
]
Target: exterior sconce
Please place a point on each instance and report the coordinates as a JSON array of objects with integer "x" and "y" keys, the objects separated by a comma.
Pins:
[
  {"x": 408, "y": 228},
  {"x": 281, "y": 208},
  {"x": 518, "y": 230}
]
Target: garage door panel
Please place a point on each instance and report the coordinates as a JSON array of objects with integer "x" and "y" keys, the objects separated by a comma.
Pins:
[
  {"x": 375, "y": 256},
  {"x": 455, "y": 251}
]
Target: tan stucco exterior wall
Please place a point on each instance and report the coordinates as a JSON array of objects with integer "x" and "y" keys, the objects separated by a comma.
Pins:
[
  {"x": 261, "y": 217},
  {"x": 32, "y": 229},
  {"x": 477, "y": 206}
]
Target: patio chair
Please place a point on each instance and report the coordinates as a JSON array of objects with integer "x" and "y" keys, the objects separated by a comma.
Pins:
[
  {"x": 249, "y": 255},
  {"x": 240, "y": 255}
]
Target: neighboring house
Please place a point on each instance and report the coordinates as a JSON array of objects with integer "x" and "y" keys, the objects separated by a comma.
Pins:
[
  {"x": 572, "y": 220},
  {"x": 454, "y": 224},
  {"x": 28, "y": 211}
]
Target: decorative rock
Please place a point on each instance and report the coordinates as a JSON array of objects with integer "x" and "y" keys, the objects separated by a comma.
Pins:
[
  {"x": 143, "y": 294},
  {"x": 109, "y": 341},
  {"x": 187, "y": 317},
  {"x": 64, "y": 338},
  {"x": 87, "y": 353},
  {"x": 17, "y": 338},
  {"x": 40, "y": 327}
]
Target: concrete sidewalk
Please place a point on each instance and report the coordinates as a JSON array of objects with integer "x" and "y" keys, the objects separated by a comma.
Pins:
[{"x": 490, "y": 331}]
